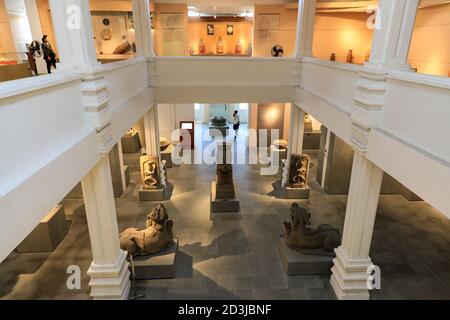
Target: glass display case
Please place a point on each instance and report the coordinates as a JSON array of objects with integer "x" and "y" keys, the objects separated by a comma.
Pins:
[{"x": 14, "y": 66}]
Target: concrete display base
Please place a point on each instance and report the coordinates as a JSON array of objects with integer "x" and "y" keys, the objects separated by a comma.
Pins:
[
  {"x": 295, "y": 193},
  {"x": 131, "y": 144},
  {"x": 127, "y": 175},
  {"x": 307, "y": 262},
  {"x": 219, "y": 205},
  {"x": 48, "y": 234},
  {"x": 219, "y": 131},
  {"x": 166, "y": 155},
  {"x": 157, "y": 266},
  {"x": 151, "y": 195}
]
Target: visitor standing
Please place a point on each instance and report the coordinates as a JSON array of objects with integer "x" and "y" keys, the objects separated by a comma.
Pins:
[
  {"x": 49, "y": 54},
  {"x": 236, "y": 123}
]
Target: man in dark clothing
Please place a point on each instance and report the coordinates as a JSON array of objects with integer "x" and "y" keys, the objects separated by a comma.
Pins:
[{"x": 49, "y": 54}]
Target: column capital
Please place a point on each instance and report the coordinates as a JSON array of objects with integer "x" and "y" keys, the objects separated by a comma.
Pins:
[
  {"x": 94, "y": 90},
  {"x": 368, "y": 104}
]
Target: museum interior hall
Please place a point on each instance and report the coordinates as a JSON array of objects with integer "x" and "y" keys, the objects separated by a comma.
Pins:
[{"x": 224, "y": 150}]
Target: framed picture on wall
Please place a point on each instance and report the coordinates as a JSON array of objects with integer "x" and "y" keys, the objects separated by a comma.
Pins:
[
  {"x": 230, "y": 30},
  {"x": 210, "y": 29}
]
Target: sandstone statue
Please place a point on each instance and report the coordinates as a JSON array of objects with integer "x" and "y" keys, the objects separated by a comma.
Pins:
[
  {"x": 299, "y": 235},
  {"x": 298, "y": 175},
  {"x": 156, "y": 237},
  {"x": 150, "y": 172}
]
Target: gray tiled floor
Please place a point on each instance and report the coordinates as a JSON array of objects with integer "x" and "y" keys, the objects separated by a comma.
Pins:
[{"x": 236, "y": 257}]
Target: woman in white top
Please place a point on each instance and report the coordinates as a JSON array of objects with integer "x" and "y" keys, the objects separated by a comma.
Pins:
[{"x": 236, "y": 123}]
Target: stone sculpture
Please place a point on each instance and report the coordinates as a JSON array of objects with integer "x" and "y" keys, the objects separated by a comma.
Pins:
[
  {"x": 219, "y": 121},
  {"x": 156, "y": 237},
  {"x": 299, "y": 234},
  {"x": 150, "y": 173},
  {"x": 280, "y": 144},
  {"x": 225, "y": 185},
  {"x": 299, "y": 171},
  {"x": 163, "y": 144},
  {"x": 218, "y": 127}
]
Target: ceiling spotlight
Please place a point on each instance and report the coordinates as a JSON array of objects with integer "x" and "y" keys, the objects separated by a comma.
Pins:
[{"x": 215, "y": 17}]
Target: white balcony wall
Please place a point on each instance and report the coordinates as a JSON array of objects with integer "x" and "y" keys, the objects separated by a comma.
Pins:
[
  {"x": 417, "y": 111},
  {"x": 224, "y": 80},
  {"x": 334, "y": 82},
  {"x": 38, "y": 125}
]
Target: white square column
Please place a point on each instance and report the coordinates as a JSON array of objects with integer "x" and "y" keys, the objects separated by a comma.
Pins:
[
  {"x": 142, "y": 26},
  {"x": 151, "y": 128},
  {"x": 393, "y": 32},
  {"x": 72, "y": 24},
  {"x": 296, "y": 136},
  {"x": 109, "y": 269},
  {"x": 305, "y": 28},
  {"x": 350, "y": 272}
]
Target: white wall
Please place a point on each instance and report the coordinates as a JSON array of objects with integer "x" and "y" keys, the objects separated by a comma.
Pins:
[{"x": 430, "y": 46}]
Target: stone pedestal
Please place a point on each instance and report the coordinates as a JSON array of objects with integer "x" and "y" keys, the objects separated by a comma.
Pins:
[
  {"x": 131, "y": 144},
  {"x": 275, "y": 152},
  {"x": 297, "y": 193},
  {"x": 151, "y": 195},
  {"x": 157, "y": 266},
  {"x": 127, "y": 175},
  {"x": 307, "y": 262},
  {"x": 48, "y": 234},
  {"x": 166, "y": 156},
  {"x": 222, "y": 205},
  {"x": 218, "y": 131}
]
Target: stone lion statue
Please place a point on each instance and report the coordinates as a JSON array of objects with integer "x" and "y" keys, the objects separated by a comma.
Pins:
[
  {"x": 156, "y": 237},
  {"x": 299, "y": 234}
]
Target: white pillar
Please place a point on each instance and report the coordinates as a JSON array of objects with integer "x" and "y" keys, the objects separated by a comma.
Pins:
[
  {"x": 109, "y": 269},
  {"x": 305, "y": 27},
  {"x": 350, "y": 270},
  {"x": 122, "y": 166},
  {"x": 151, "y": 127},
  {"x": 72, "y": 24},
  {"x": 36, "y": 30},
  {"x": 296, "y": 130},
  {"x": 296, "y": 135},
  {"x": 142, "y": 26},
  {"x": 393, "y": 34}
]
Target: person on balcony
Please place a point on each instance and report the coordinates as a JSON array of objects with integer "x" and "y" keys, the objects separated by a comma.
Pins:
[
  {"x": 49, "y": 54},
  {"x": 236, "y": 123}
]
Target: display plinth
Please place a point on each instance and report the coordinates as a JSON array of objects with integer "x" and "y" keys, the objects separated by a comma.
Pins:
[
  {"x": 275, "y": 152},
  {"x": 48, "y": 234},
  {"x": 307, "y": 262},
  {"x": 127, "y": 175},
  {"x": 166, "y": 156},
  {"x": 297, "y": 193},
  {"x": 131, "y": 144},
  {"x": 222, "y": 205},
  {"x": 157, "y": 266},
  {"x": 218, "y": 131},
  {"x": 151, "y": 195}
]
